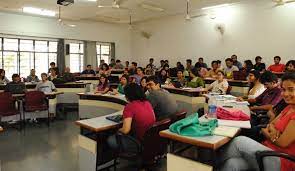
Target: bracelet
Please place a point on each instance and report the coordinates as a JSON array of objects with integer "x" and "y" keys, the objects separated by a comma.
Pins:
[{"x": 275, "y": 139}]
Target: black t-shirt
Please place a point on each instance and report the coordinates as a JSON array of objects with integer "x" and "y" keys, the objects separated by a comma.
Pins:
[{"x": 259, "y": 67}]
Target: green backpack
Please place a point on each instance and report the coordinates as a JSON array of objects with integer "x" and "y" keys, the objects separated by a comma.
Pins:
[{"x": 192, "y": 127}]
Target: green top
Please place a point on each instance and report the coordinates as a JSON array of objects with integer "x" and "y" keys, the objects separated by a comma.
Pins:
[
  {"x": 121, "y": 89},
  {"x": 192, "y": 127},
  {"x": 196, "y": 82}
]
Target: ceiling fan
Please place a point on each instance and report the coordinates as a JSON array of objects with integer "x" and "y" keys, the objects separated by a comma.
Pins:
[
  {"x": 188, "y": 16},
  {"x": 282, "y": 2},
  {"x": 115, "y": 5},
  {"x": 60, "y": 20}
]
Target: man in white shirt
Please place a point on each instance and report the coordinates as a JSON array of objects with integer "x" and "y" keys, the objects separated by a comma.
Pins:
[{"x": 45, "y": 85}]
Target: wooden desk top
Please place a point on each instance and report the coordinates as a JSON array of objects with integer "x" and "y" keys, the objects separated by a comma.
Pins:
[
  {"x": 192, "y": 92},
  {"x": 107, "y": 95},
  {"x": 231, "y": 82},
  {"x": 212, "y": 142},
  {"x": 99, "y": 124}
]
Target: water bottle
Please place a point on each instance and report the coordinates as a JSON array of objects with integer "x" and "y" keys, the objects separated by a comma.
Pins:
[{"x": 212, "y": 108}]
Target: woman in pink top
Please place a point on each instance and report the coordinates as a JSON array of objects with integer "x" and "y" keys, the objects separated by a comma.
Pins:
[
  {"x": 279, "y": 134},
  {"x": 138, "y": 117}
]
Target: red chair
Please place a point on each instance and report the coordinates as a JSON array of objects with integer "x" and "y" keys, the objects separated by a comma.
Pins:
[
  {"x": 36, "y": 101},
  {"x": 7, "y": 106}
]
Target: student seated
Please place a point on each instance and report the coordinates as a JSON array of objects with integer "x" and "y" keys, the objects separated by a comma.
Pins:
[
  {"x": 139, "y": 74},
  {"x": 53, "y": 66},
  {"x": 138, "y": 117},
  {"x": 3, "y": 78},
  {"x": 88, "y": 71},
  {"x": 132, "y": 69},
  {"x": 32, "y": 77},
  {"x": 256, "y": 88},
  {"x": 105, "y": 70},
  {"x": 103, "y": 86},
  {"x": 68, "y": 76},
  {"x": 179, "y": 66},
  {"x": 164, "y": 104},
  {"x": 271, "y": 96},
  {"x": 45, "y": 85},
  {"x": 201, "y": 63},
  {"x": 276, "y": 67},
  {"x": 151, "y": 64},
  {"x": 248, "y": 66},
  {"x": 212, "y": 73},
  {"x": 258, "y": 65},
  {"x": 163, "y": 77},
  {"x": 195, "y": 81},
  {"x": 290, "y": 66},
  {"x": 53, "y": 74},
  {"x": 220, "y": 67},
  {"x": 230, "y": 68},
  {"x": 118, "y": 65},
  {"x": 112, "y": 63},
  {"x": 279, "y": 134},
  {"x": 220, "y": 85},
  {"x": 180, "y": 80},
  {"x": 143, "y": 84},
  {"x": 16, "y": 86},
  {"x": 123, "y": 83},
  {"x": 149, "y": 70},
  {"x": 236, "y": 62}
]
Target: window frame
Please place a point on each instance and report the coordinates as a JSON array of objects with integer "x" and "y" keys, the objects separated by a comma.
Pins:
[
  {"x": 80, "y": 54},
  {"x": 100, "y": 54}
]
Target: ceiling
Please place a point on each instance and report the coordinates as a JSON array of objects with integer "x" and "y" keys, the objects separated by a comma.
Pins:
[{"x": 85, "y": 10}]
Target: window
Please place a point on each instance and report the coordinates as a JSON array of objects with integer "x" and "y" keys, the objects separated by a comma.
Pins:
[
  {"x": 21, "y": 55},
  {"x": 76, "y": 57},
  {"x": 103, "y": 53}
]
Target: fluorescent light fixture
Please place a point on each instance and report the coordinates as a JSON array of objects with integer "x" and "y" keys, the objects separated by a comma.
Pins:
[
  {"x": 216, "y": 6},
  {"x": 39, "y": 11},
  {"x": 72, "y": 25}
]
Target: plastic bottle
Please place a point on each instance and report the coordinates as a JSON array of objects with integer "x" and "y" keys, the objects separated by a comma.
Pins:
[{"x": 212, "y": 108}]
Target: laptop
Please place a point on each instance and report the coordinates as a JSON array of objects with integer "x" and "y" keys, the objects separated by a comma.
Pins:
[{"x": 115, "y": 118}]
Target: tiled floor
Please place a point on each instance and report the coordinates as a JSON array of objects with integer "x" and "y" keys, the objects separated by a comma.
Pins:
[{"x": 38, "y": 148}]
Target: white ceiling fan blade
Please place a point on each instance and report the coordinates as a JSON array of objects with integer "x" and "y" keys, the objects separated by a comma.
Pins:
[
  {"x": 151, "y": 7},
  {"x": 199, "y": 15}
]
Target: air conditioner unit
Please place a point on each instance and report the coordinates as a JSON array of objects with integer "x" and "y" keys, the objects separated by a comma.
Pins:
[{"x": 65, "y": 2}]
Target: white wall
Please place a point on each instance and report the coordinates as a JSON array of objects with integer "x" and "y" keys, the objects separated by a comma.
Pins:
[
  {"x": 251, "y": 28},
  {"x": 49, "y": 27}
]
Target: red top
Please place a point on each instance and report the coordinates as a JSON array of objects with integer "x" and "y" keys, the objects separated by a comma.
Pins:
[
  {"x": 276, "y": 68},
  {"x": 280, "y": 125},
  {"x": 142, "y": 115}
]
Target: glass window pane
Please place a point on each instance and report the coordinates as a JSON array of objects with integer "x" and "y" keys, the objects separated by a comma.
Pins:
[
  {"x": 105, "y": 50},
  {"x": 10, "y": 63},
  {"x": 74, "y": 48},
  {"x": 105, "y": 58},
  {"x": 75, "y": 62},
  {"x": 98, "y": 49},
  {"x": 26, "y": 63},
  {"x": 11, "y": 44},
  {"x": 53, "y": 58},
  {"x": 41, "y": 46},
  {"x": 1, "y": 44},
  {"x": 81, "y": 48},
  {"x": 41, "y": 63},
  {"x": 26, "y": 45},
  {"x": 52, "y": 46},
  {"x": 1, "y": 64}
]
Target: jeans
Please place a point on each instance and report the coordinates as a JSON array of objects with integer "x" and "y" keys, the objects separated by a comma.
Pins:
[
  {"x": 127, "y": 144},
  {"x": 240, "y": 155}
]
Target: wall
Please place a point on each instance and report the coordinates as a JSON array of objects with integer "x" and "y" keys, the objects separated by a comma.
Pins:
[
  {"x": 251, "y": 28},
  {"x": 49, "y": 27}
]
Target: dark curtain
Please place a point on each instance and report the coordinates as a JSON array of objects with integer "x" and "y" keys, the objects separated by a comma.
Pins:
[{"x": 61, "y": 55}]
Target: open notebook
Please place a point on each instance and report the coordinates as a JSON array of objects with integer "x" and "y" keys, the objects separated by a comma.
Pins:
[{"x": 226, "y": 131}]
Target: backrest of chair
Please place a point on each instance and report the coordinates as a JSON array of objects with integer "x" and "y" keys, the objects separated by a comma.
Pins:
[
  {"x": 34, "y": 98},
  {"x": 6, "y": 102},
  {"x": 152, "y": 143},
  {"x": 178, "y": 116}
]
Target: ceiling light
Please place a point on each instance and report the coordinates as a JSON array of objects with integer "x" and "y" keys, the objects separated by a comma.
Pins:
[
  {"x": 39, "y": 11},
  {"x": 72, "y": 25},
  {"x": 216, "y": 6}
]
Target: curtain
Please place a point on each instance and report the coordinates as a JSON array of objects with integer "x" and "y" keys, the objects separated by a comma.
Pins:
[{"x": 113, "y": 51}]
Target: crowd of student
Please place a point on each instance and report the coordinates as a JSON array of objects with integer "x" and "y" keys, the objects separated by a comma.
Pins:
[{"x": 148, "y": 102}]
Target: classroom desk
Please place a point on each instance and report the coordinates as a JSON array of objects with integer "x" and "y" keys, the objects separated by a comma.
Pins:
[
  {"x": 93, "y": 154},
  {"x": 189, "y": 99},
  {"x": 88, "y": 79},
  {"x": 93, "y": 105},
  {"x": 239, "y": 87}
]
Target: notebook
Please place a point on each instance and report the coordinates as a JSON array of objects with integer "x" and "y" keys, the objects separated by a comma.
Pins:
[
  {"x": 115, "y": 118},
  {"x": 226, "y": 131}
]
